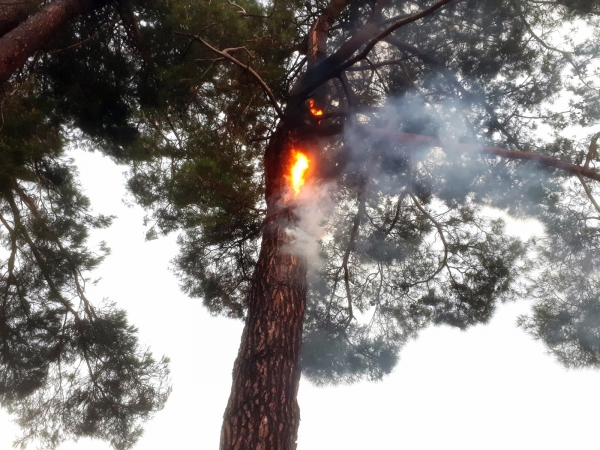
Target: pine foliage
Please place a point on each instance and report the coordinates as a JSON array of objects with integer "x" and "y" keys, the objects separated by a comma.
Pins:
[{"x": 407, "y": 238}]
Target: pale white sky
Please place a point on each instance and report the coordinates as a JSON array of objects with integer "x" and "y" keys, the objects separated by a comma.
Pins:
[{"x": 490, "y": 388}]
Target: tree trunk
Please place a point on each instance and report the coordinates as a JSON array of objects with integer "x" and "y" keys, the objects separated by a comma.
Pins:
[
  {"x": 19, "y": 44},
  {"x": 262, "y": 412},
  {"x": 13, "y": 12}
]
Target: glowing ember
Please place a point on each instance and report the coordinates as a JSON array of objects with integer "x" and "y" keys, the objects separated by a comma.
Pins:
[
  {"x": 313, "y": 109},
  {"x": 298, "y": 168}
]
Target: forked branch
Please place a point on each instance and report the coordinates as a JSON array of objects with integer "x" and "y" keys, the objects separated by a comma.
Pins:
[
  {"x": 440, "y": 230},
  {"x": 368, "y": 36},
  {"x": 226, "y": 55}
]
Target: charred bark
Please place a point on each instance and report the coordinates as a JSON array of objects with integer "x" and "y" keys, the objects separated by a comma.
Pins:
[
  {"x": 262, "y": 412},
  {"x": 19, "y": 44}
]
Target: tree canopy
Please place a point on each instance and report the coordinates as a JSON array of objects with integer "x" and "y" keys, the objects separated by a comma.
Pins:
[{"x": 433, "y": 112}]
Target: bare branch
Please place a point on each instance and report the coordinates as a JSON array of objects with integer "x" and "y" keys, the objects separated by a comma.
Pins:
[
  {"x": 374, "y": 65},
  {"x": 241, "y": 10},
  {"x": 388, "y": 230},
  {"x": 20, "y": 43},
  {"x": 588, "y": 192},
  {"x": 351, "y": 98},
  {"x": 238, "y": 63},
  {"x": 440, "y": 230},
  {"x": 354, "y": 236},
  {"x": 317, "y": 37},
  {"x": 13, "y": 12},
  {"x": 11, "y": 259}
]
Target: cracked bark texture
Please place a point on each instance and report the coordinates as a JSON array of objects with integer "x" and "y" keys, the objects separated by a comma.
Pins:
[
  {"x": 22, "y": 42},
  {"x": 262, "y": 412},
  {"x": 13, "y": 12}
]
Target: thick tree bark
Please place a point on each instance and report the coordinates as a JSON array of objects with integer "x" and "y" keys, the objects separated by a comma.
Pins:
[
  {"x": 262, "y": 412},
  {"x": 33, "y": 34},
  {"x": 13, "y": 12}
]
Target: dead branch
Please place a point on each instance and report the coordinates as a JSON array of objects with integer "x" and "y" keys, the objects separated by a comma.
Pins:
[
  {"x": 318, "y": 34},
  {"x": 240, "y": 11},
  {"x": 354, "y": 236},
  {"x": 238, "y": 63}
]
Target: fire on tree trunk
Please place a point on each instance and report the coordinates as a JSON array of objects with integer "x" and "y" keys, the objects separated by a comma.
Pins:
[{"x": 262, "y": 412}]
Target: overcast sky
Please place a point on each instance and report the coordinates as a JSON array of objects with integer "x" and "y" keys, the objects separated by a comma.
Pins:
[{"x": 491, "y": 387}]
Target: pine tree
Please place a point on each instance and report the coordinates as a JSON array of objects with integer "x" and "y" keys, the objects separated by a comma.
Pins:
[{"x": 416, "y": 117}]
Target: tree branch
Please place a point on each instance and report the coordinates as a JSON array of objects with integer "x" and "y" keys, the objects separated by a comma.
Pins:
[
  {"x": 440, "y": 230},
  {"x": 353, "y": 236},
  {"x": 40, "y": 260},
  {"x": 544, "y": 160},
  {"x": 369, "y": 34},
  {"x": 387, "y": 230},
  {"x": 20, "y": 43},
  {"x": 592, "y": 151},
  {"x": 11, "y": 259},
  {"x": 74, "y": 270},
  {"x": 451, "y": 78},
  {"x": 227, "y": 56},
  {"x": 389, "y": 30},
  {"x": 319, "y": 32},
  {"x": 588, "y": 192},
  {"x": 13, "y": 12},
  {"x": 417, "y": 139}
]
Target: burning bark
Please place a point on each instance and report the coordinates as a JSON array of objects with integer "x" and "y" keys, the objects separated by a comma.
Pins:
[
  {"x": 314, "y": 110},
  {"x": 298, "y": 170},
  {"x": 262, "y": 412}
]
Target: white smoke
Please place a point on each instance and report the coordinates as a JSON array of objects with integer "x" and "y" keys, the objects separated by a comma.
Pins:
[{"x": 313, "y": 205}]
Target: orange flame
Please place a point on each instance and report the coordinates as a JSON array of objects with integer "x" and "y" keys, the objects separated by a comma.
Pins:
[
  {"x": 313, "y": 109},
  {"x": 299, "y": 167}
]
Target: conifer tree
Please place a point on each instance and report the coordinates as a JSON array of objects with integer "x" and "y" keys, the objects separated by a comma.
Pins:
[{"x": 417, "y": 117}]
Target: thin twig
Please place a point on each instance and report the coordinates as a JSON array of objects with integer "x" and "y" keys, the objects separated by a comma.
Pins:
[
  {"x": 400, "y": 23},
  {"x": 238, "y": 63},
  {"x": 353, "y": 236},
  {"x": 263, "y": 17},
  {"x": 588, "y": 192},
  {"x": 440, "y": 230},
  {"x": 241, "y": 10},
  {"x": 33, "y": 209}
]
